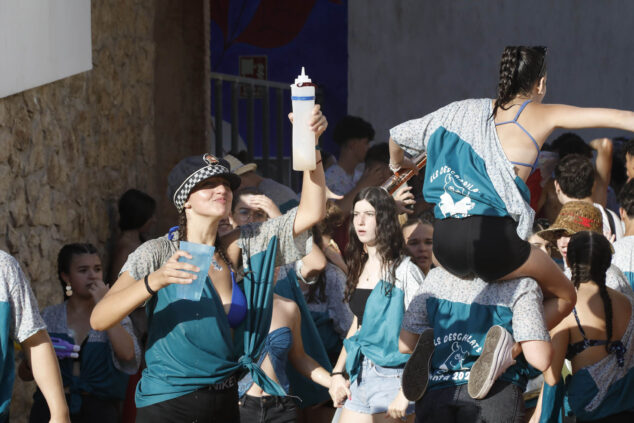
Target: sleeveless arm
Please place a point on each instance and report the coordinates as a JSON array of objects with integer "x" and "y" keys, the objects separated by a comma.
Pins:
[{"x": 571, "y": 117}]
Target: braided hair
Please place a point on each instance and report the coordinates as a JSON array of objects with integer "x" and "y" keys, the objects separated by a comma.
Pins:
[
  {"x": 521, "y": 68},
  {"x": 589, "y": 257}
]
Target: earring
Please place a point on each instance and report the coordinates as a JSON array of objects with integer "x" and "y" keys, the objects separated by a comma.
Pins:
[{"x": 69, "y": 290}]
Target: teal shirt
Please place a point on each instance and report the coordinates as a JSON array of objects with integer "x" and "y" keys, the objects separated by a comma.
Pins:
[
  {"x": 467, "y": 172},
  {"x": 378, "y": 337},
  {"x": 461, "y": 311},
  {"x": 189, "y": 342},
  {"x": 101, "y": 373}
]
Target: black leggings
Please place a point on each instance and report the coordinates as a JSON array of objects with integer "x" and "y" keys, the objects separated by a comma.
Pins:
[
  {"x": 203, "y": 406},
  {"x": 484, "y": 246}
]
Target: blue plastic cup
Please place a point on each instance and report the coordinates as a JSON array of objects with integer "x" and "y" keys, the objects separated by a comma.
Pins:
[{"x": 201, "y": 258}]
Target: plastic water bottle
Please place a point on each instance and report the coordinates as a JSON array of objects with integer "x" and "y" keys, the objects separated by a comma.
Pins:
[{"x": 303, "y": 98}]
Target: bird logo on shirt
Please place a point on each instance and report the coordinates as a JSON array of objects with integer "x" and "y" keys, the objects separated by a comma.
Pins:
[
  {"x": 448, "y": 206},
  {"x": 455, "y": 359}
]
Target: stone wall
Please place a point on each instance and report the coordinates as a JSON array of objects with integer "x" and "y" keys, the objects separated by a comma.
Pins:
[{"x": 69, "y": 149}]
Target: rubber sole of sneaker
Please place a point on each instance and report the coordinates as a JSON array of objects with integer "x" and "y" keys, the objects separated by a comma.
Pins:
[
  {"x": 482, "y": 371},
  {"x": 416, "y": 371}
]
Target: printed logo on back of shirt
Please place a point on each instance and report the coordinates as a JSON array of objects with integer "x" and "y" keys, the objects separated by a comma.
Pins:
[
  {"x": 448, "y": 205},
  {"x": 456, "y": 348}
]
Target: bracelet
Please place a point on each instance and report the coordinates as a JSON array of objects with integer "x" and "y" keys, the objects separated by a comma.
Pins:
[
  {"x": 394, "y": 167},
  {"x": 336, "y": 373},
  {"x": 147, "y": 285},
  {"x": 319, "y": 161}
]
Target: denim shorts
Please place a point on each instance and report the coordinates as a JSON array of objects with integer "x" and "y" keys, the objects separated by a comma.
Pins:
[{"x": 375, "y": 388}]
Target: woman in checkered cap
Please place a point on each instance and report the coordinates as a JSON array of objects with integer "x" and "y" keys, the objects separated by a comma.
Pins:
[{"x": 195, "y": 349}]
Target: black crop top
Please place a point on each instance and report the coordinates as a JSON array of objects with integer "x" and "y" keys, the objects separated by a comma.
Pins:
[{"x": 357, "y": 302}]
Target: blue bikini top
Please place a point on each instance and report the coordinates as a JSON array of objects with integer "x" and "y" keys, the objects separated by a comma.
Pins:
[
  {"x": 615, "y": 347},
  {"x": 277, "y": 344},
  {"x": 514, "y": 121},
  {"x": 238, "y": 308}
]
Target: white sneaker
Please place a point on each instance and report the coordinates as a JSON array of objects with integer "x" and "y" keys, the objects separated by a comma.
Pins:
[{"x": 495, "y": 359}]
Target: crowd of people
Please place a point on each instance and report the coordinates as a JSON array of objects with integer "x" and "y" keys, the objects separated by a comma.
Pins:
[{"x": 496, "y": 286}]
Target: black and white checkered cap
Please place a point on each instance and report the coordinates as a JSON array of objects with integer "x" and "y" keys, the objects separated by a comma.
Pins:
[{"x": 191, "y": 170}]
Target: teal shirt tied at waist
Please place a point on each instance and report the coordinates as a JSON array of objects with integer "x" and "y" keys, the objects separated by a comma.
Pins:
[
  {"x": 206, "y": 353},
  {"x": 190, "y": 345},
  {"x": 378, "y": 337},
  {"x": 98, "y": 376},
  {"x": 101, "y": 374}
]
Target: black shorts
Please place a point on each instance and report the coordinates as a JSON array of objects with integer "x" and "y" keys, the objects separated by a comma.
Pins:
[{"x": 485, "y": 246}]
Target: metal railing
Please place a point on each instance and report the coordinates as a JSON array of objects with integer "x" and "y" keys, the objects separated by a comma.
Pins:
[{"x": 248, "y": 90}]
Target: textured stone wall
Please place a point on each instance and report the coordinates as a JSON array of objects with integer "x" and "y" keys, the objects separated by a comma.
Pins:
[{"x": 69, "y": 149}]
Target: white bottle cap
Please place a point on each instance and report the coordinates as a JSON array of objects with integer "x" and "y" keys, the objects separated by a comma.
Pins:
[{"x": 302, "y": 79}]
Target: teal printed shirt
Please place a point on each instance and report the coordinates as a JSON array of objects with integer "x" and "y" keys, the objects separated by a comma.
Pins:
[
  {"x": 467, "y": 172},
  {"x": 377, "y": 339},
  {"x": 461, "y": 311},
  {"x": 19, "y": 320}
]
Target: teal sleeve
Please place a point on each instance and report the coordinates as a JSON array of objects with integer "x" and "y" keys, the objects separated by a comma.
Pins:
[{"x": 552, "y": 401}]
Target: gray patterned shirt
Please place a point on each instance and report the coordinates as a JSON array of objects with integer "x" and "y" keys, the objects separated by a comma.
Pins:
[
  {"x": 470, "y": 120},
  {"x": 16, "y": 290},
  {"x": 254, "y": 238},
  {"x": 56, "y": 321},
  {"x": 461, "y": 311}
]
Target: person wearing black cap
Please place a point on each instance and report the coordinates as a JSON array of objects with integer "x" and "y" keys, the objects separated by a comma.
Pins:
[{"x": 195, "y": 349}]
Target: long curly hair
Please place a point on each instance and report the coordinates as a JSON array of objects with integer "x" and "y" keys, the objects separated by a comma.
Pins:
[
  {"x": 589, "y": 257},
  {"x": 521, "y": 67},
  {"x": 389, "y": 240}
]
